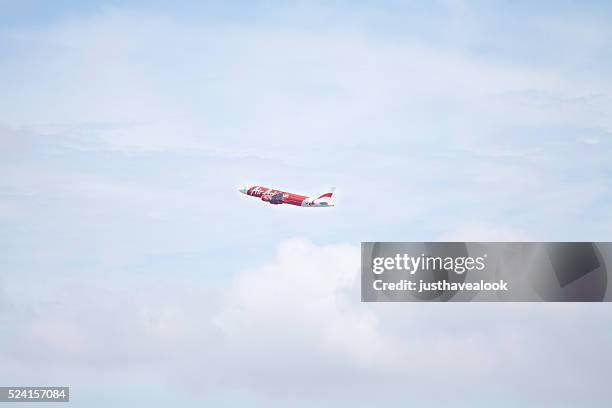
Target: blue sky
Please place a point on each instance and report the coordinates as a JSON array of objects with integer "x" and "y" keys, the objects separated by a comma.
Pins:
[{"x": 131, "y": 263}]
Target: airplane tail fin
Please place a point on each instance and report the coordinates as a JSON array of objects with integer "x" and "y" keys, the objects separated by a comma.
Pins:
[{"x": 326, "y": 197}]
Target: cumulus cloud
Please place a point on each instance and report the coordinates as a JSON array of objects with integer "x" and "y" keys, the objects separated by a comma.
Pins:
[
  {"x": 309, "y": 292},
  {"x": 294, "y": 326}
]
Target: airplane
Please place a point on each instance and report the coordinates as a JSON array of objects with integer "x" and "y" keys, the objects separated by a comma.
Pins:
[{"x": 276, "y": 197}]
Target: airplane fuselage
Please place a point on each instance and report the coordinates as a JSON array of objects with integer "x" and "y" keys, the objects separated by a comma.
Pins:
[{"x": 276, "y": 197}]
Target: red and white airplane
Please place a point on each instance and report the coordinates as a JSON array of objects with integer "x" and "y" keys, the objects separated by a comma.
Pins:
[{"x": 281, "y": 197}]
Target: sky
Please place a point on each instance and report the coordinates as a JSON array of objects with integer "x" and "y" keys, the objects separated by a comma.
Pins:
[{"x": 133, "y": 270}]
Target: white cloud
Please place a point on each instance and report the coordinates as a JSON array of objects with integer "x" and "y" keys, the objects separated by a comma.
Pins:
[
  {"x": 310, "y": 293},
  {"x": 294, "y": 327}
]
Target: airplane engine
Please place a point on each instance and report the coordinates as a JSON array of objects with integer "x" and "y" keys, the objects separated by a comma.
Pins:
[{"x": 273, "y": 199}]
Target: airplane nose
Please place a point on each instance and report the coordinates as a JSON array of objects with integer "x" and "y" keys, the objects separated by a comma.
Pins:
[{"x": 243, "y": 189}]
